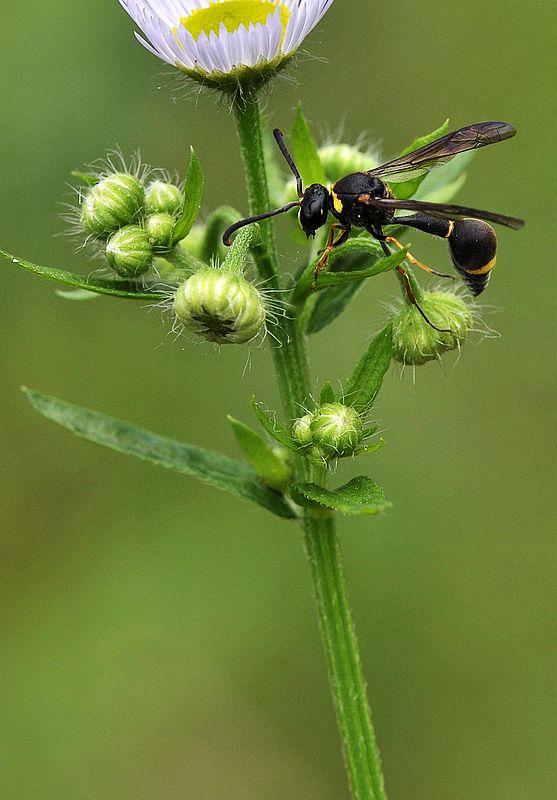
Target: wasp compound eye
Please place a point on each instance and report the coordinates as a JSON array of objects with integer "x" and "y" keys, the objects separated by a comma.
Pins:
[{"x": 314, "y": 208}]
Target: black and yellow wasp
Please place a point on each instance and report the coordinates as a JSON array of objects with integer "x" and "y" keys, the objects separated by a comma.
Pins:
[{"x": 365, "y": 200}]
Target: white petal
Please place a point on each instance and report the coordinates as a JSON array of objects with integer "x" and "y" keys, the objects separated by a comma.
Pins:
[{"x": 166, "y": 38}]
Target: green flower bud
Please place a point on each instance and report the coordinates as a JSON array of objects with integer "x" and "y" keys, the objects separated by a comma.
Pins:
[
  {"x": 336, "y": 429},
  {"x": 341, "y": 159},
  {"x": 221, "y": 306},
  {"x": 160, "y": 228},
  {"x": 301, "y": 430},
  {"x": 415, "y": 342},
  {"x": 129, "y": 251},
  {"x": 112, "y": 203},
  {"x": 163, "y": 197}
]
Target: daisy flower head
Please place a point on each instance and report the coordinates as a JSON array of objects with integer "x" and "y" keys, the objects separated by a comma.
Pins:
[{"x": 225, "y": 43}]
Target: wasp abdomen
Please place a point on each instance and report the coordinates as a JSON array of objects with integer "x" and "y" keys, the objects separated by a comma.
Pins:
[{"x": 473, "y": 248}]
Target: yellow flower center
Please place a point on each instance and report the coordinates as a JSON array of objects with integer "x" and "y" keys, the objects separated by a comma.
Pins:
[{"x": 233, "y": 14}]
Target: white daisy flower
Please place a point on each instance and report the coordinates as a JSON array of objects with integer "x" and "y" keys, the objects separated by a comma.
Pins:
[{"x": 225, "y": 42}]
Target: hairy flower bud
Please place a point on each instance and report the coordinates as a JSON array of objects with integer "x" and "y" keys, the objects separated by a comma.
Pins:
[
  {"x": 301, "y": 430},
  {"x": 336, "y": 429},
  {"x": 111, "y": 203},
  {"x": 342, "y": 159},
  {"x": 163, "y": 197},
  {"x": 129, "y": 251},
  {"x": 220, "y": 305},
  {"x": 160, "y": 228},
  {"x": 415, "y": 342}
]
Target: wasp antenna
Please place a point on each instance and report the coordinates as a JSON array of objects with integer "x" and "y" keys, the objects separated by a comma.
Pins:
[
  {"x": 279, "y": 138},
  {"x": 248, "y": 220}
]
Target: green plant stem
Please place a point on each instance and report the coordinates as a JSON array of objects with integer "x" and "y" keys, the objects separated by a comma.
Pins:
[
  {"x": 347, "y": 682},
  {"x": 289, "y": 354},
  {"x": 322, "y": 545}
]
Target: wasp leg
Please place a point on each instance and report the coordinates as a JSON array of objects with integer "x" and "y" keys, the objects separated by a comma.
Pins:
[
  {"x": 414, "y": 261},
  {"x": 332, "y": 243},
  {"x": 408, "y": 289}
]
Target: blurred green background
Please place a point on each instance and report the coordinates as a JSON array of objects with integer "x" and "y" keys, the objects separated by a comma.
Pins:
[{"x": 159, "y": 639}]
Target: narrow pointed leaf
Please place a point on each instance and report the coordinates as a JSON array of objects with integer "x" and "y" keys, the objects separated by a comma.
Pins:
[
  {"x": 343, "y": 261},
  {"x": 268, "y": 421},
  {"x": 215, "y": 469},
  {"x": 357, "y": 497},
  {"x": 270, "y": 467},
  {"x": 116, "y": 288},
  {"x": 407, "y": 189},
  {"x": 305, "y": 150},
  {"x": 327, "y": 394},
  {"x": 193, "y": 192},
  {"x": 75, "y": 294},
  {"x": 363, "y": 385},
  {"x": 383, "y": 265},
  {"x": 85, "y": 178},
  {"x": 367, "y": 449}
]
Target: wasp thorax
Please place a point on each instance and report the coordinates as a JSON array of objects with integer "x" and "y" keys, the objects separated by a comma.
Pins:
[
  {"x": 415, "y": 341},
  {"x": 129, "y": 251},
  {"x": 220, "y": 305},
  {"x": 114, "y": 201}
]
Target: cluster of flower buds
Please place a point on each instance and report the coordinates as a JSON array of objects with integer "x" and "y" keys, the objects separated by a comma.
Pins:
[
  {"x": 134, "y": 222},
  {"x": 332, "y": 431}
]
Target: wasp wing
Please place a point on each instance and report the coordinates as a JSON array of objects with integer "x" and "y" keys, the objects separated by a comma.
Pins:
[
  {"x": 447, "y": 211},
  {"x": 431, "y": 155}
]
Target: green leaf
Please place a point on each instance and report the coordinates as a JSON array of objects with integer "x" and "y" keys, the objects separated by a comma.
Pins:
[
  {"x": 383, "y": 265},
  {"x": 217, "y": 222},
  {"x": 367, "y": 449},
  {"x": 359, "y": 496},
  {"x": 75, "y": 294},
  {"x": 362, "y": 386},
  {"x": 343, "y": 256},
  {"x": 268, "y": 421},
  {"x": 330, "y": 303},
  {"x": 305, "y": 151},
  {"x": 85, "y": 178},
  {"x": 406, "y": 189},
  {"x": 193, "y": 192},
  {"x": 443, "y": 183},
  {"x": 327, "y": 394},
  {"x": 117, "y": 288},
  {"x": 215, "y": 469},
  {"x": 265, "y": 460}
]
